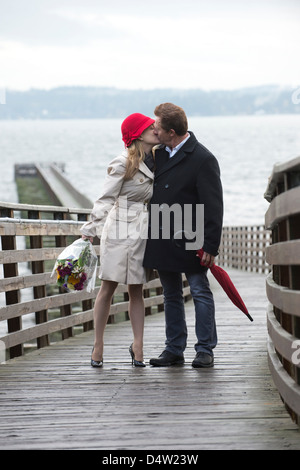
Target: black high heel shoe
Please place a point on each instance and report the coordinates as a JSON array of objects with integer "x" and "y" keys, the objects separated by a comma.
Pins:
[
  {"x": 134, "y": 361},
  {"x": 96, "y": 363}
]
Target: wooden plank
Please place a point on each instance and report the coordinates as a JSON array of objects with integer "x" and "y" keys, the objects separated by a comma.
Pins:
[
  {"x": 279, "y": 172},
  {"x": 78, "y": 198},
  {"x": 42, "y": 329},
  {"x": 37, "y": 254},
  {"x": 23, "y": 282},
  {"x": 287, "y": 300},
  {"x": 288, "y": 389},
  {"x": 43, "y": 208},
  {"x": 284, "y": 253},
  {"x": 52, "y": 399},
  {"x": 59, "y": 324},
  {"x": 280, "y": 337},
  {"x": 41, "y": 228},
  {"x": 53, "y": 301},
  {"x": 283, "y": 206}
]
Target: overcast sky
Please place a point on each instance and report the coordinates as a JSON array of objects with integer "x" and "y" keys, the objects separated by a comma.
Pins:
[{"x": 208, "y": 44}]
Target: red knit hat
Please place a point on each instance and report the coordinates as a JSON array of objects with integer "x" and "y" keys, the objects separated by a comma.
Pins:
[{"x": 133, "y": 126}]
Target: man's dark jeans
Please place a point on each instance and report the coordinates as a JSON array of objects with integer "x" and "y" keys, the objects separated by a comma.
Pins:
[{"x": 176, "y": 328}]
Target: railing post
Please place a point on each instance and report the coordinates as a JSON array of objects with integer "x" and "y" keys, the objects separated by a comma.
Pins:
[
  {"x": 12, "y": 297},
  {"x": 65, "y": 310},
  {"x": 37, "y": 267},
  {"x": 86, "y": 304}
]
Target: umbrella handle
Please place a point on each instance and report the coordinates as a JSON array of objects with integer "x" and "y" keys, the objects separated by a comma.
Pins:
[{"x": 200, "y": 255}]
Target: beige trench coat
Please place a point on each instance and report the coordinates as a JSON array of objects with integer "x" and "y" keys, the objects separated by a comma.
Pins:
[{"x": 120, "y": 219}]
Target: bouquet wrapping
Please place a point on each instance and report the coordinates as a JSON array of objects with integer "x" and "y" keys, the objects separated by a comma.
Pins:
[{"x": 76, "y": 267}]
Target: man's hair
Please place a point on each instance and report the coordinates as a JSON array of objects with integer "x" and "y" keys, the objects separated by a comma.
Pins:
[{"x": 172, "y": 117}]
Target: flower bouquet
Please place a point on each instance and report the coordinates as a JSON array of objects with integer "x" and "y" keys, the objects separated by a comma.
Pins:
[{"x": 76, "y": 267}]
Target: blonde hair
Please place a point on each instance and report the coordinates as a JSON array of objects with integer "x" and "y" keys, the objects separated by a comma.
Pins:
[{"x": 136, "y": 155}]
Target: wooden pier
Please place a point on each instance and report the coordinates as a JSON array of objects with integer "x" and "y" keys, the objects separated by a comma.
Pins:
[
  {"x": 56, "y": 184},
  {"x": 53, "y": 399}
]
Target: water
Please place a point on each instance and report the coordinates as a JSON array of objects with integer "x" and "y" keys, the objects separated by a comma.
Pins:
[{"x": 247, "y": 147}]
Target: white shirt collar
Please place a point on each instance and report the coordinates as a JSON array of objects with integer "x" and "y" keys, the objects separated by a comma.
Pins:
[{"x": 175, "y": 149}]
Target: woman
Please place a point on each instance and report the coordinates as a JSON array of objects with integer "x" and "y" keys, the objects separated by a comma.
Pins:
[{"x": 120, "y": 219}]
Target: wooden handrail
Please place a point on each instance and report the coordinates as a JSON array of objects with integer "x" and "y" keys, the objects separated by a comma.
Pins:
[
  {"x": 15, "y": 207},
  {"x": 56, "y": 312},
  {"x": 244, "y": 247},
  {"x": 283, "y": 283},
  {"x": 44, "y": 238}
]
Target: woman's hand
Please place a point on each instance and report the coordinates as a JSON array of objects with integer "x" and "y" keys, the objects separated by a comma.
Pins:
[{"x": 84, "y": 237}]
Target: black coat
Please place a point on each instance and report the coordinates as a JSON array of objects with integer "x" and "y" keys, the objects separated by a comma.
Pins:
[{"x": 191, "y": 176}]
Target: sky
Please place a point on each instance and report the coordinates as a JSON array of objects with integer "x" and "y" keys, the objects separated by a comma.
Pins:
[{"x": 134, "y": 44}]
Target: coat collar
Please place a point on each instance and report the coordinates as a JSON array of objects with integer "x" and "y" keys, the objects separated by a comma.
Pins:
[
  {"x": 168, "y": 163},
  {"x": 142, "y": 167}
]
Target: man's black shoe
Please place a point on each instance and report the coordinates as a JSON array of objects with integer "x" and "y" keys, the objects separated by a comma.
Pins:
[
  {"x": 167, "y": 359},
  {"x": 203, "y": 359}
]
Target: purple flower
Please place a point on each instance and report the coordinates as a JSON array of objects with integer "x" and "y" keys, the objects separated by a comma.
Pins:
[{"x": 64, "y": 271}]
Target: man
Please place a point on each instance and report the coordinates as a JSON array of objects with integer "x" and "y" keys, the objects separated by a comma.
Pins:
[{"x": 187, "y": 176}]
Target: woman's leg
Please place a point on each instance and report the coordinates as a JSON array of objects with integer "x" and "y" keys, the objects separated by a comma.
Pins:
[
  {"x": 101, "y": 314},
  {"x": 137, "y": 316}
]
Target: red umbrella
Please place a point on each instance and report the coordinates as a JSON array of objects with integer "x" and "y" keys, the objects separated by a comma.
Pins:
[{"x": 227, "y": 284}]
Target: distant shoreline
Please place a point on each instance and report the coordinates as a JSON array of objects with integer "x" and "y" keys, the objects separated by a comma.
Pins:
[{"x": 102, "y": 102}]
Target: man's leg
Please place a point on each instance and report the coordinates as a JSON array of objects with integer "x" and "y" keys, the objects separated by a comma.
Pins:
[
  {"x": 205, "y": 325},
  {"x": 176, "y": 330}
]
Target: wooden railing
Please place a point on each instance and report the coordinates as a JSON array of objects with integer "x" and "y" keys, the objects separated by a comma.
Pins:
[
  {"x": 30, "y": 246},
  {"x": 283, "y": 284},
  {"x": 244, "y": 247},
  {"x": 32, "y": 237}
]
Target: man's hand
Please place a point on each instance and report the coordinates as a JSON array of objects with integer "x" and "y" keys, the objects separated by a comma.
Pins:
[{"x": 207, "y": 259}]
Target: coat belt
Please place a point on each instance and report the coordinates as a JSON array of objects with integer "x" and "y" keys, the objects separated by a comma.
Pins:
[{"x": 124, "y": 203}]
